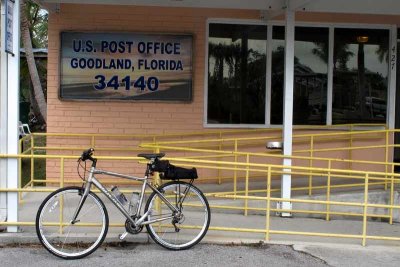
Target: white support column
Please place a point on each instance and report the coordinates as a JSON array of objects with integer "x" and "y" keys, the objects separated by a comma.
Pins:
[
  {"x": 13, "y": 117},
  {"x": 392, "y": 78},
  {"x": 3, "y": 118},
  {"x": 9, "y": 115},
  {"x": 329, "y": 94},
  {"x": 286, "y": 182},
  {"x": 268, "y": 77}
]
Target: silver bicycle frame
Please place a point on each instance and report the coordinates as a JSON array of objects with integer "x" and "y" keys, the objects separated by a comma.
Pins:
[{"x": 92, "y": 180}]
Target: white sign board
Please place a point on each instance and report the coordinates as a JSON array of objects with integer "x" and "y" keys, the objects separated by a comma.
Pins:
[{"x": 9, "y": 26}]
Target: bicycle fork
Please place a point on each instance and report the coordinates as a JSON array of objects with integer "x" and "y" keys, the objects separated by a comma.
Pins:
[{"x": 82, "y": 200}]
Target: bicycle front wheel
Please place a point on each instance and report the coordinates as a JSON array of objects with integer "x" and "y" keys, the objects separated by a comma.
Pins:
[
  {"x": 178, "y": 232},
  {"x": 64, "y": 239}
]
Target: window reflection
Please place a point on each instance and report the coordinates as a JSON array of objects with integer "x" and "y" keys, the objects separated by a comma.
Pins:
[
  {"x": 310, "y": 75},
  {"x": 277, "y": 74},
  {"x": 360, "y": 75},
  {"x": 236, "y": 74}
]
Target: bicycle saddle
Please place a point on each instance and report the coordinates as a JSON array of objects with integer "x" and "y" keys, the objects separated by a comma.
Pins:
[{"x": 151, "y": 156}]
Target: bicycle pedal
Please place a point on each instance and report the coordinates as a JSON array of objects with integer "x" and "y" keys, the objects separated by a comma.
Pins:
[{"x": 122, "y": 236}]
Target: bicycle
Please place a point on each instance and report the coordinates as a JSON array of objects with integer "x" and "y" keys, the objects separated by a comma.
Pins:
[{"x": 72, "y": 222}]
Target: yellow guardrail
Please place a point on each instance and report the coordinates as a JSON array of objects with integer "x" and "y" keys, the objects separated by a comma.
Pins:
[
  {"x": 226, "y": 158},
  {"x": 269, "y": 170},
  {"x": 237, "y": 144},
  {"x": 208, "y": 145}
]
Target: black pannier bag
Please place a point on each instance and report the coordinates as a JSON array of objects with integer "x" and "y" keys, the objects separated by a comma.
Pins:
[
  {"x": 171, "y": 172},
  {"x": 174, "y": 172},
  {"x": 160, "y": 165}
]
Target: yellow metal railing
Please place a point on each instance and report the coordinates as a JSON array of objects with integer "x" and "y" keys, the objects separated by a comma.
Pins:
[
  {"x": 225, "y": 157},
  {"x": 221, "y": 149},
  {"x": 268, "y": 170},
  {"x": 384, "y": 136},
  {"x": 313, "y": 138},
  {"x": 220, "y": 143}
]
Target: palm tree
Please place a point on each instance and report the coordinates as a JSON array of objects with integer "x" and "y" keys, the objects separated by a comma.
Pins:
[
  {"x": 341, "y": 54},
  {"x": 29, "y": 17}
]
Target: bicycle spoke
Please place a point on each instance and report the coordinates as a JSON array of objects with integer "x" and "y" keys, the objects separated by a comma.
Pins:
[
  {"x": 193, "y": 220},
  {"x": 69, "y": 231},
  {"x": 87, "y": 211},
  {"x": 67, "y": 243}
]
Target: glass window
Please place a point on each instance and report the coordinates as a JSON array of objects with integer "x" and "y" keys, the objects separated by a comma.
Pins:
[
  {"x": 310, "y": 75},
  {"x": 360, "y": 75},
  {"x": 277, "y": 74},
  {"x": 236, "y": 73}
]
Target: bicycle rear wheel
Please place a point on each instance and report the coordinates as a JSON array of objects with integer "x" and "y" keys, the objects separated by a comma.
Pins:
[
  {"x": 190, "y": 228},
  {"x": 71, "y": 241}
]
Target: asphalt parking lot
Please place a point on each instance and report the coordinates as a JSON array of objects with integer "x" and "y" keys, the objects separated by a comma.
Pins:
[
  {"x": 131, "y": 254},
  {"x": 139, "y": 254}
]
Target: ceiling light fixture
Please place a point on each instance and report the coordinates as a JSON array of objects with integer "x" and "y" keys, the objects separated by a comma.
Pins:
[{"x": 362, "y": 39}]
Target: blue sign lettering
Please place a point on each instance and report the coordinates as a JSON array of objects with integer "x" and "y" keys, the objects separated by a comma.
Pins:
[{"x": 126, "y": 66}]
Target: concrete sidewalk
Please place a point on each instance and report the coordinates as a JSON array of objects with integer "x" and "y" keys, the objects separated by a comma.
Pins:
[{"x": 352, "y": 255}]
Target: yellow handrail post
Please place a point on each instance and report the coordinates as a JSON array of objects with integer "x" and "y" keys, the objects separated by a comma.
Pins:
[
  {"x": 219, "y": 148},
  {"x": 154, "y": 142},
  {"x": 61, "y": 172},
  {"x": 350, "y": 146},
  {"x": 391, "y": 196},
  {"x": 247, "y": 185},
  {"x": 156, "y": 176},
  {"x": 62, "y": 197},
  {"x": 328, "y": 190},
  {"x": 92, "y": 141},
  {"x": 386, "y": 157},
  {"x": 311, "y": 164},
  {"x": 365, "y": 209},
  {"x": 268, "y": 204},
  {"x": 235, "y": 171},
  {"x": 32, "y": 159},
  {"x": 20, "y": 171}
]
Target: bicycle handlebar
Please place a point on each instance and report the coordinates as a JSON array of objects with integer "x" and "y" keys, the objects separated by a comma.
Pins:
[{"x": 87, "y": 154}]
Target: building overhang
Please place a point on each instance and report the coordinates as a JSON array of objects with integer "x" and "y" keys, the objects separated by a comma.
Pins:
[{"x": 376, "y": 7}]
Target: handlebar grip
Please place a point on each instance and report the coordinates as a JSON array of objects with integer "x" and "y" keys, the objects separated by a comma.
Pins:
[{"x": 87, "y": 154}]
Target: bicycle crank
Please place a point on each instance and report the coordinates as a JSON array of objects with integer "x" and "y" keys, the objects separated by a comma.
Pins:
[{"x": 132, "y": 229}]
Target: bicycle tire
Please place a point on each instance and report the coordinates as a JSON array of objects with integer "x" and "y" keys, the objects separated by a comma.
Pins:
[
  {"x": 71, "y": 241},
  {"x": 192, "y": 226}
]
